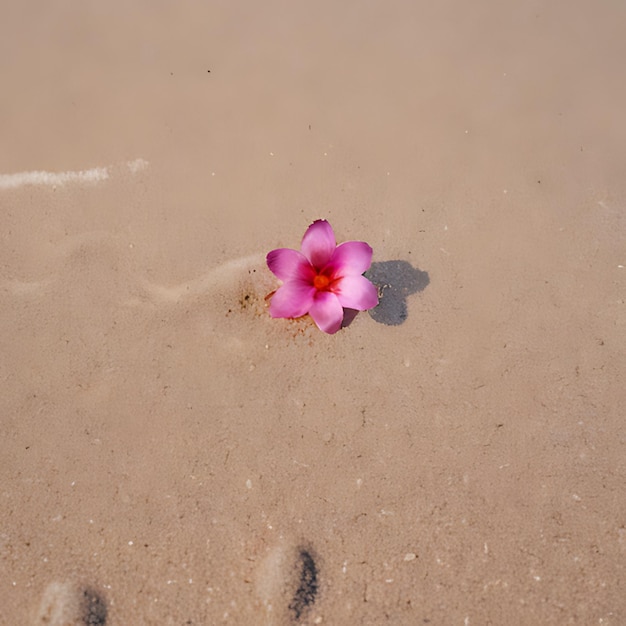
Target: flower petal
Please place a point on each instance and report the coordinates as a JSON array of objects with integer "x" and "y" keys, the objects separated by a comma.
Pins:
[
  {"x": 293, "y": 299},
  {"x": 351, "y": 257},
  {"x": 327, "y": 312},
  {"x": 355, "y": 292},
  {"x": 318, "y": 243},
  {"x": 289, "y": 264}
]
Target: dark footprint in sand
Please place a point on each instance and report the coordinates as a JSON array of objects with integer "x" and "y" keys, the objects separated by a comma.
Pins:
[
  {"x": 93, "y": 608},
  {"x": 68, "y": 604},
  {"x": 288, "y": 583},
  {"x": 395, "y": 280},
  {"x": 306, "y": 593}
]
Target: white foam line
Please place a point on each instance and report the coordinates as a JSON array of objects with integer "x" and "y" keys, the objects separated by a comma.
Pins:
[
  {"x": 58, "y": 179},
  {"x": 137, "y": 165},
  {"x": 52, "y": 179}
]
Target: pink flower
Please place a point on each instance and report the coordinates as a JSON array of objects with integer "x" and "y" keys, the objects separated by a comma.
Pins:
[{"x": 323, "y": 279}]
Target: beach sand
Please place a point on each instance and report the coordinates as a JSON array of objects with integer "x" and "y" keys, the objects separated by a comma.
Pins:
[{"x": 172, "y": 455}]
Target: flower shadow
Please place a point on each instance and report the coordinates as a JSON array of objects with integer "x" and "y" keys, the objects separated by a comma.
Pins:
[{"x": 395, "y": 280}]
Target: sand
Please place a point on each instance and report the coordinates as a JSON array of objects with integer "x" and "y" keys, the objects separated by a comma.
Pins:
[{"x": 170, "y": 454}]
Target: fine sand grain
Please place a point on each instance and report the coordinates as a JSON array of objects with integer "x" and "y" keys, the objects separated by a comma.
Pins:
[{"x": 171, "y": 455}]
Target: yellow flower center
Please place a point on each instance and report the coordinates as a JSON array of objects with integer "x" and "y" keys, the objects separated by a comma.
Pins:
[{"x": 321, "y": 282}]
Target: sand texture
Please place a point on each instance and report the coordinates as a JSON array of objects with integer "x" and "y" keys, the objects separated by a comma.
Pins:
[{"x": 172, "y": 455}]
